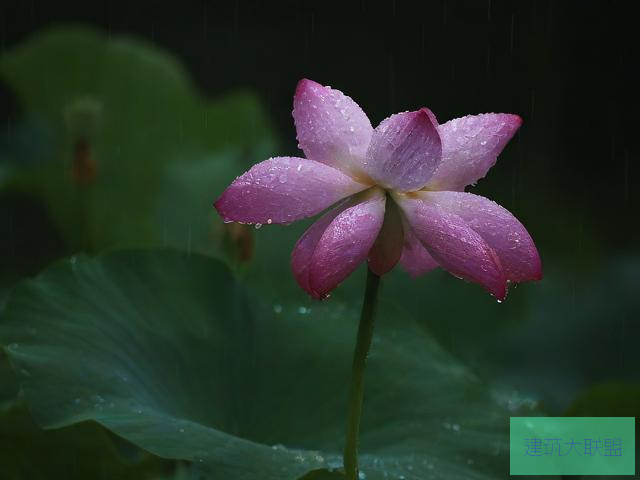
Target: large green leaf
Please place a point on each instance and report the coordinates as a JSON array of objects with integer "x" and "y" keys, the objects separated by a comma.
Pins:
[
  {"x": 76, "y": 452},
  {"x": 136, "y": 110},
  {"x": 162, "y": 348},
  {"x": 8, "y": 383}
]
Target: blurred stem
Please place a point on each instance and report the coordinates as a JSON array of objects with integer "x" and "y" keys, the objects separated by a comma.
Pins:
[{"x": 356, "y": 390}]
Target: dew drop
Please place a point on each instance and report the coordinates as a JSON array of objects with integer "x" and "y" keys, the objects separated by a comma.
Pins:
[{"x": 258, "y": 226}]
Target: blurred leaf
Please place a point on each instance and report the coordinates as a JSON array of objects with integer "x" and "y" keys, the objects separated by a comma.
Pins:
[
  {"x": 24, "y": 145},
  {"x": 8, "y": 383},
  {"x": 116, "y": 112},
  {"x": 80, "y": 451},
  {"x": 184, "y": 214},
  {"x": 610, "y": 399},
  {"x": 324, "y": 474},
  {"x": 161, "y": 348}
]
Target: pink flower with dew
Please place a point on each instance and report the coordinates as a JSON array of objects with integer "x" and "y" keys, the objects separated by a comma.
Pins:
[{"x": 399, "y": 195}]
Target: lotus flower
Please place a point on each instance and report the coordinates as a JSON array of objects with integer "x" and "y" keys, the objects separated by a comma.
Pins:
[{"x": 399, "y": 195}]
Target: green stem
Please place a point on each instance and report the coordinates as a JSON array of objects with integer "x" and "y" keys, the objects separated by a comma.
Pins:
[{"x": 356, "y": 391}]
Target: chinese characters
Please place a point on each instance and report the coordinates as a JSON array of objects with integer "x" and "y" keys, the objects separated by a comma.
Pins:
[{"x": 535, "y": 447}]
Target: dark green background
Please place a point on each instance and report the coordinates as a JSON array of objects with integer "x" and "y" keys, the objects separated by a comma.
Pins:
[{"x": 569, "y": 175}]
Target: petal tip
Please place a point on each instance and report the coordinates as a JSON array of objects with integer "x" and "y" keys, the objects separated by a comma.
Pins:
[
  {"x": 515, "y": 120},
  {"x": 511, "y": 122},
  {"x": 226, "y": 209},
  {"x": 304, "y": 84},
  {"x": 539, "y": 275},
  {"x": 220, "y": 207},
  {"x": 378, "y": 268},
  {"x": 500, "y": 294},
  {"x": 427, "y": 114},
  {"x": 301, "y": 276}
]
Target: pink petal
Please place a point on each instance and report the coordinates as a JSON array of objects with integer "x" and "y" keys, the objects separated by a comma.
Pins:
[
  {"x": 331, "y": 127},
  {"x": 415, "y": 259},
  {"x": 405, "y": 150},
  {"x": 386, "y": 251},
  {"x": 284, "y": 189},
  {"x": 470, "y": 147},
  {"x": 499, "y": 228},
  {"x": 346, "y": 243},
  {"x": 454, "y": 245},
  {"x": 306, "y": 245}
]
